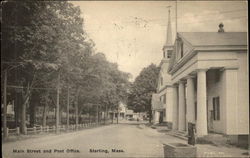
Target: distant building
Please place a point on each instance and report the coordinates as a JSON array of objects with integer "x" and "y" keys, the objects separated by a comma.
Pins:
[
  {"x": 130, "y": 114},
  {"x": 10, "y": 111},
  {"x": 121, "y": 111}
]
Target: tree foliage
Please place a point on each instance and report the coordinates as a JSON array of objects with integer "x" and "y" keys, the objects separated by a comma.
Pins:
[
  {"x": 141, "y": 90},
  {"x": 44, "y": 39}
]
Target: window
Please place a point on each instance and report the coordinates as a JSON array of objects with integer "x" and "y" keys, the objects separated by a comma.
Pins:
[
  {"x": 169, "y": 54},
  {"x": 216, "y": 108}
]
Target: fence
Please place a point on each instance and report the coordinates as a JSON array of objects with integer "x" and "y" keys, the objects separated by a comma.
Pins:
[{"x": 41, "y": 129}]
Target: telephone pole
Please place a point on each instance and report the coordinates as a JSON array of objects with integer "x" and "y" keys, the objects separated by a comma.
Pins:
[
  {"x": 57, "y": 105},
  {"x": 68, "y": 107}
]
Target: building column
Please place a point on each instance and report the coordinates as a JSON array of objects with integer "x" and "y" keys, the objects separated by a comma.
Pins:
[
  {"x": 157, "y": 115},
  {"x": 190, "y": 100},
  {"x": 175, "y": 107},
  {"x": 231, "y": 96},
  {"x": 182, "y": 116},
  {"x": 201, "y": 124}
]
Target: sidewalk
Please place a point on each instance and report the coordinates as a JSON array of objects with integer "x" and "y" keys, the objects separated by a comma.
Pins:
[{"x": 204, "y": 150}]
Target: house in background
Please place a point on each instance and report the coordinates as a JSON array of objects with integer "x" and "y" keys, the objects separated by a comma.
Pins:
[
  {"x": 209, "y": 74},
  {"x": 10, "y": 111},
  {"x": 121, "y": 111}
]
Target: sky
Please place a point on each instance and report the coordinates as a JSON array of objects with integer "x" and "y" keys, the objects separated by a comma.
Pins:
[{"x": 132, "y": 33}]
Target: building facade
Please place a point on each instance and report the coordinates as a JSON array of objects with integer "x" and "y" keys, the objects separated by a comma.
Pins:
[
  {"x": 209, "y": 74},
  {"x": 204, "y": 81}
]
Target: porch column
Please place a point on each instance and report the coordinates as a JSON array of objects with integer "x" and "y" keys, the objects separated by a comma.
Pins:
[
  {"x": 182, "y": 117},
  {"x": 175, "y": 107},
  {"x": 157, "y": 115},
  {"x": 190, "y": 100},
  {"x": 201, "y": 124}
]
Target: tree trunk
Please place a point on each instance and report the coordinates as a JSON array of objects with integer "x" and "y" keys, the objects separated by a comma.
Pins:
[
  {"x": 97, "y": 114},
  {"x": 76, "y": 112},
  {"x": 117, "y": 114},
  {"x": 89, "y": 113},
  {"x": 23, "y": 115},
  {"x": 76, "y": 106},
  {"x": 113, "y": 116},
  {"x": 105, "y": 114},
  {"x": 60, "y": 116},
  {"x": 45, "y": 107},
  {"x": 17, "y": 109},
  {"x": 150, "y": 116},
  {"x": 58, "y": 104},
  {"x": 32, "y": 110},
  {"x": 67, "y": 107},
  {"x": 5, "y": 105}
]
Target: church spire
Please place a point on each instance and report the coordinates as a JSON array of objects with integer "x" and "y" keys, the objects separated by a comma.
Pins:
[
  {"x": 168, "y": 46},
  {"x": 169, "y": 31}
]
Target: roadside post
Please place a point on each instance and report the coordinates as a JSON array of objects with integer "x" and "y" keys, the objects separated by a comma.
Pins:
[{"x": 191, "y": 135}]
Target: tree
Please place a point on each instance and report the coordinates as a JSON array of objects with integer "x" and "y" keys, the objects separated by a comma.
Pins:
[
  {"x": 142, "y": 89},
  {"x": 43, "y": 40},
  {"x": 37, "y": 39}
]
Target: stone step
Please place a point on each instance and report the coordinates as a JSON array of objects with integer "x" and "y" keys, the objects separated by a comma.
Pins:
[{"x": 178, "y": 134}]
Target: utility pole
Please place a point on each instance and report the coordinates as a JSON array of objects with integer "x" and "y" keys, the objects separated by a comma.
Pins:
[
  {"x": 105, "y": 113},
  {"x": 5, "y": 105},
  {"x": 68, "y": 107},
  {"x": 176, "y": 17},
  {"x": 117, "y": 113},
  {"x": 57, "y": 105},
  {"x": 76, "y": 108},
  {"x": 97, "y": 113}
]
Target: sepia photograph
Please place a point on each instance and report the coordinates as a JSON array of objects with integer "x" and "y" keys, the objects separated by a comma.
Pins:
[{"x": 124, "y": 79}]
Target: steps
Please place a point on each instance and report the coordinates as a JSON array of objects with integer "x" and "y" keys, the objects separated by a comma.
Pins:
[{"x": 179, "y": 134}]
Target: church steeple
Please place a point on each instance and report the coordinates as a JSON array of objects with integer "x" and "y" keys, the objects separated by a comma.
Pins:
[{"x": 168, "y": 46}]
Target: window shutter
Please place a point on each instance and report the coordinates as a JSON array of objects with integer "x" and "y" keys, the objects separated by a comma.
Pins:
[
  {"x": 214, "y": 109},
  {"x": 218, "y": 108}
]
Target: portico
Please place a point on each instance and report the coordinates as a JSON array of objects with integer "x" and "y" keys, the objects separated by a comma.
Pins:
[
  {"x": 186, "y": 102},
  {"x": 206, "y": 77}
]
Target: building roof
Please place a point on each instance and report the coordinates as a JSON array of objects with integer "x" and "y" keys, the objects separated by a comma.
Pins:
[{"x": 215, "y": 38}]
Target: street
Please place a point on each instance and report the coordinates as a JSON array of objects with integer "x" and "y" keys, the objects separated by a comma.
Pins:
[{"x": 127, "y": 139}]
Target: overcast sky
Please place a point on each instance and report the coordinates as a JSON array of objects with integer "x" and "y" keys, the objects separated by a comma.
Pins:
[{"x": 132, "y": 33}]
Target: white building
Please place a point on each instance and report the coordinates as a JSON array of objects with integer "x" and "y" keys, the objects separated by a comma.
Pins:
[
  {"x": 208, "y": 83},
  {"x": 121, "y": 111},
  {"x": 162, "y": 100}
]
